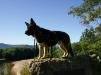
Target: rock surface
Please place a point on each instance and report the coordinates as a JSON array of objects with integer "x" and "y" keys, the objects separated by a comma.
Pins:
[
  {"x": 78, "y": 65},
  {"x": 60, "y": 66}
]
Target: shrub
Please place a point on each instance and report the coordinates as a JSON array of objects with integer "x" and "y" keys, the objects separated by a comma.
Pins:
[
  {"x": 25, "y": 70},
  {"x": 6, "y": 69},
  {"x": 55, "y": 52}
]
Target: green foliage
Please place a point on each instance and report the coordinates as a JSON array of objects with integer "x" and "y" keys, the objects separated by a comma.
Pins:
[
  {"x": 90, "y": 42},
  {"x": 76, "y": 48},
  {"x": 89, "y": 11},
  {"x": 98, "y": 32},
  {"x": 18, "y": 53},
  {"x": 88, "y": 36},
  {"x": 6, "y": 69},
  {"x": 55, "y": 52},
  {"x": 1, "y": 55}
]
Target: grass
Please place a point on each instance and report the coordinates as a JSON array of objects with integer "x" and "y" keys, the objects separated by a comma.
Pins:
[
  {"x": 25, "y": 70},
  {"x": 6, "y": 69}
]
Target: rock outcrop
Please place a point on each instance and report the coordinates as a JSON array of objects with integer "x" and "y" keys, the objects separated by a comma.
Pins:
[
  {"x": 78, "y": 65},
  {"x": 61, "y": 66}
]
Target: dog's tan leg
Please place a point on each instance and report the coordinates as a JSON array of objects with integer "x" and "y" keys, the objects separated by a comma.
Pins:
[
  {"x": 40, "y": 51},
  {"x": 68, "y": 49},
  {"x": 64, "y": 51},
  {"x": 45, "y": 55},
  {"x": 62, "y": 47}
]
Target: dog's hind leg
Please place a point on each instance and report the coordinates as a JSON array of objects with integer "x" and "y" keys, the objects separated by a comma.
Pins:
[
  {"x": 66, "y": 47},
  {"x": 65, "y": 52},
  {"x": 69, "y": 49}
]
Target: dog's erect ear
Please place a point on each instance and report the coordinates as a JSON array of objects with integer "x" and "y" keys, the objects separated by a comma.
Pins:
[
  {"x": 27, "y": 24},
  {"x": 32, "y": 22}
]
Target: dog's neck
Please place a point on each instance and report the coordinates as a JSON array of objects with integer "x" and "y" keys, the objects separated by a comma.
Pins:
[{"x": 37, "y": 33}]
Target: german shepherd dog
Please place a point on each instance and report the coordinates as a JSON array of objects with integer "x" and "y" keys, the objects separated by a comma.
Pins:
[{"x": 47, "y": 38}]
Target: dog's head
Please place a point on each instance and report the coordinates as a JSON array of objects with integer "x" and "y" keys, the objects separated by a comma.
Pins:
[{"x": 30, "y": 27}]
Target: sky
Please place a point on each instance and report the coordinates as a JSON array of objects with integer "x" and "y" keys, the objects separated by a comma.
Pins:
[{"x": 49, "y": 14}]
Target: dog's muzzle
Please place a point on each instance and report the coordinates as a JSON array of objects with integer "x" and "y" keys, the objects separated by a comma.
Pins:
[{"x": 27, "y": 33}]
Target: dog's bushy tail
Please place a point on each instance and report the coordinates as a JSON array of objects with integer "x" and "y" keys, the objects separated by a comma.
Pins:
[{"x": 71, "y": 50}]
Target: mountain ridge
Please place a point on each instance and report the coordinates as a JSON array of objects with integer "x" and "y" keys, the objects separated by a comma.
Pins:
[{"x": 3, "y": 45}]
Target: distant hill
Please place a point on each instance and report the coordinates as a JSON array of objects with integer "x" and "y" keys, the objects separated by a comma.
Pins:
[
  {"x": 23, "y": 46},
  {"x": 3, "y": 45}
]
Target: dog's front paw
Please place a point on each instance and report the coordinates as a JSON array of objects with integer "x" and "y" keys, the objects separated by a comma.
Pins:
[
  {"x": 44, "y": 57},
  {"x": 39, "y": 57}
]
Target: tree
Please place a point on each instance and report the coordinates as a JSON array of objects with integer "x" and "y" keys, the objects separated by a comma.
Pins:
[
  {"x": 89, "y": 11},
  {"x": 77, "y": 48},
  {"x": 98, "y": 32},
  {"x": 88, "y": 36},
  {"x": 88, "y": 40}
]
